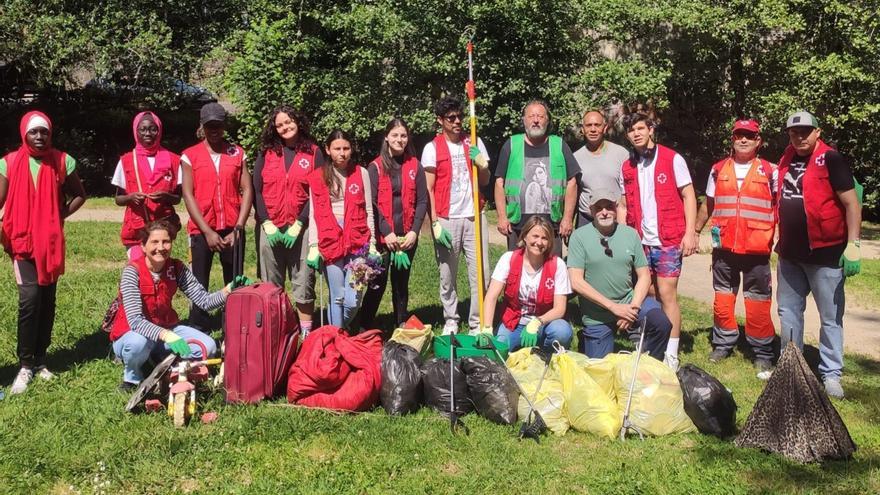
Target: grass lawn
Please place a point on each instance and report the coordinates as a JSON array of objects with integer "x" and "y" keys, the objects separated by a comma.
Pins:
[{"x": 72, "y": 436}]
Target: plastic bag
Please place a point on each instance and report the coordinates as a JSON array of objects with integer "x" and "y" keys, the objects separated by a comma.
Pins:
[
  {"x": 492, "y": 389},
  {"x": 587, "y": 406},
  {"x": 550, "y": 402},
  {"x": 707, "y": 402},
  {"x": 600, "y": 370},
  {"x": 417, "y": 338},
  {"x": 657, "y": 404},
  {"x": 435, "y": 385},
  {"x": 401, "y": 391}
]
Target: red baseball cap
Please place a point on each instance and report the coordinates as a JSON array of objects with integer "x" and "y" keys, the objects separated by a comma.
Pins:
[{"x": 750, "y": 125}]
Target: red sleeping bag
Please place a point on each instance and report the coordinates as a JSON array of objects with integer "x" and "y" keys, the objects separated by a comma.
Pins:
[{"x": 337, "y": 371}]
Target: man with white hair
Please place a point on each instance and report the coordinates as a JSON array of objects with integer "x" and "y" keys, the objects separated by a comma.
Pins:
[{"x": 536, "y": 175}]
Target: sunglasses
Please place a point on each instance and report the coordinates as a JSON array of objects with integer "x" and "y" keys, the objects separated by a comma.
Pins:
[
  {"x": 751, "y": 136},
  {"x": 453, "y": 117},
  {"x": 604, "y": 242}
]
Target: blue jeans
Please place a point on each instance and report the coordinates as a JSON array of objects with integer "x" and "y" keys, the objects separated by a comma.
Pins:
[
  {"x": 597, "y": 341},
  {"x": 344, "y": 299},
  {"x": 555, "y": 330},
  {"x": 134, "y": 349},
  {"x": 796, "y": 280}
]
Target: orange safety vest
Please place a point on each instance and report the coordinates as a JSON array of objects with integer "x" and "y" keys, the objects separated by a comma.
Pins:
[{"x": 744, "y": 215}]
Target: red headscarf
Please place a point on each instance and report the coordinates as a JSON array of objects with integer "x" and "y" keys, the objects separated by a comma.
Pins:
[
  {"x": 141, "y": 152},
  {"x": 32, "y": 226}
]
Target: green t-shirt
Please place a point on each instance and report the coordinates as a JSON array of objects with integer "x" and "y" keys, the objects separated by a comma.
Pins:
[
  {"x": 611, "y": 276},
  {"x": 69, "y": 163}
]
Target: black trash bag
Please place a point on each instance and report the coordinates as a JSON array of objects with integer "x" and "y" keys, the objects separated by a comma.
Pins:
[
  {"x": 707, "y": 402},
  {"x": 492, "y": 389},
  {"x": 401, "y": 391},
  {"x": 794, "y": 417},
  {"x": 435, "y": 386}
]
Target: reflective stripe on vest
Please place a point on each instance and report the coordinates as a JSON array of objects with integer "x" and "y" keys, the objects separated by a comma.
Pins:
[
  {"x": 745, "y": 218},
  {"x": 514, "y": 179}
]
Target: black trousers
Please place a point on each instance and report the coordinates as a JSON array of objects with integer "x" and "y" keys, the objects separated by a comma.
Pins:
[
  {"x": 202, "y": 259},
  {"x": 399, "y": 293},
  {"x": 36, "y": 315}
]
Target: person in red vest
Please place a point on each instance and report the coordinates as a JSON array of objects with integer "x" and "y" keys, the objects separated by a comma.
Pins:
[
  {"x": 218, "y": 196},
  {"x": 401, "y": 200},
  {"x": 341, "y": 225},
  {"x": 740, "y": 197},
  {"x": 147, "y": 315},
  {"x": 289, "y": 155},
  {"x": 535, "y": 286},
  {"x": 39, "y": 188},
  {"x": 447, "y": 160},
  {"x": 147, "y": 181},
  {"x": 660, "y": 203},
  {"x": 820, "y": 220}
]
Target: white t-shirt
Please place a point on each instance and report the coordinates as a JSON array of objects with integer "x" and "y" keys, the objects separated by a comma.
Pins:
[
  {"x": 118, "y": 179},
  {"x": 461, "y": 201},
  {"x": 650, "y": 231},
  {"x": 740, "y": 170},
  {"x": 528, "y": 284}
]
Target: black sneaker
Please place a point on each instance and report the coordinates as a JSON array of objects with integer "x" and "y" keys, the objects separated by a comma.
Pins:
[
  {"x": 718, "y": 354},
  {"x": 127, "y": 387}
]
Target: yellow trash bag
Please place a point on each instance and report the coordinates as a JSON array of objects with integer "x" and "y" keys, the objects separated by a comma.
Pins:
[
  {"x": 418, "y": 339},
  {"x": 600, "y": 370},
  {"x": 550, "y": 403},
  {"x": 657, "y": 404},
  {"x": 587, "y": 406}
]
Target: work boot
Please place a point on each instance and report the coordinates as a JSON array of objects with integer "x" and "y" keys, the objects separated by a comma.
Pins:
[
  {"x": 24, "y": 377},
  {"x": 718, "y": 354},
  {"x": 450, "y": 327},
  {"x": 765, "y": 368},
  {"x": 671, "y": 361},
  {"x": 833, "y": 388},
  {"x": 44, "y": 373}
]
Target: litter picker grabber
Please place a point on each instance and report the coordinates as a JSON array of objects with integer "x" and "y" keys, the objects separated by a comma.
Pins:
[
  {"x": 627, "y": 424},
  {"x": 455, "y": 423}
]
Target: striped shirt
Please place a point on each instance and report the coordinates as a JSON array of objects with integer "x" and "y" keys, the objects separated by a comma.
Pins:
[{"x": 129, "y": 287}]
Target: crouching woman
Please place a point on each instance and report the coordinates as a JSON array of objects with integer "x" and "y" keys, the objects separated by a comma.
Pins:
[
  {"x": 146, "y": 317},
  {"x": 535, "y": 286}
]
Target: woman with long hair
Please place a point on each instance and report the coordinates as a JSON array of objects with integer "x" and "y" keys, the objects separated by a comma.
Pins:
[
  {"x": 289, "y": 155},
  {"x": 401, "y": 200},
  {"x": 535, "y": 286},
  {"x": 341, "y": 224}
]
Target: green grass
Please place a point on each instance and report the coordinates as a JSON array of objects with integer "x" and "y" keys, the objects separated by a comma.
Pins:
[
  {"x": 862, "y": 288},
  {"x": 72, "y": 436}
]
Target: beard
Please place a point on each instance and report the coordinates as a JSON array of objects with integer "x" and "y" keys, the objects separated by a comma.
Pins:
[
  {"x": 534, "y": 133},
  {"x": 605, "y": 222}
]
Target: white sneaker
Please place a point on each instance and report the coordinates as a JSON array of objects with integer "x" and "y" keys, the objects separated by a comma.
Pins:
[
  {"x": 833, "y": 388},
  {"x": 44, "y": 373},
  {"x": 24, "y": 377},
  {"x": 671, "y": 361},
  {"x": 450, "y": 327},
  {"x": 473, "y": 332}
]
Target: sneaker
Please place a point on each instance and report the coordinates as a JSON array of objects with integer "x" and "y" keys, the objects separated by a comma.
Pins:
[
  {"x": 718, "y": 354},
  {"x": 473, "y": 332},
  {"x": 833, "y": 388},
  {"x": 127, "y": 387},
  {"x": 44, "y": 373},
  {"x": 671, "y": 361},
  {"x": 450, "y": 327},
  {"x": 765, "y": 368},
  {"x": 24, "y": 377}
]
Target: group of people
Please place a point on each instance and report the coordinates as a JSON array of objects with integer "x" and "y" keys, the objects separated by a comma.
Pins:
[{"x": 627, "y": 218}]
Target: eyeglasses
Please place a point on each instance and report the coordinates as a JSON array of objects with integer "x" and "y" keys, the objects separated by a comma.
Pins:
[
  {"x": 453, "y": 117},
  {"x": 604, "y": 242},
  {"x": 751, "y": 136}
]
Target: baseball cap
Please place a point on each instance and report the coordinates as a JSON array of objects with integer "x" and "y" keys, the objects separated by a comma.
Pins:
[
  {"x": 212, "y": 112},
  {"x": 601, "y": 193},
  {"x": 750, "y": 125},
  {"x": 801, "y": 119}
]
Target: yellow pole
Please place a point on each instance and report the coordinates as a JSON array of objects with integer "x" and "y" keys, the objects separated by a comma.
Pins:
[{"x": 475, "y": 182}]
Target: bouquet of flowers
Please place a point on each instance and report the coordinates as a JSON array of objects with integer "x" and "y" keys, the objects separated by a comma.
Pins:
[{"x": 365, "y": 267}]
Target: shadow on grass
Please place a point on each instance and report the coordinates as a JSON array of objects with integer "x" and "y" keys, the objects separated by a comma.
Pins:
[{"x": 88, "y": 348}]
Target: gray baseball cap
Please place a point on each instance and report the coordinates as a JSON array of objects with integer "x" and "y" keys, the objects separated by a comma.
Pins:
[
  {"x": 601, "y": 193},
  {"x": 801, "y": 119}
]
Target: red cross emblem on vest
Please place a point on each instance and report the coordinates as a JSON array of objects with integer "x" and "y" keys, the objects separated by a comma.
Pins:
[
  {"x": 232, "y": 151},
  {"x": 303, "y": 163},
  {"x": 820, "y": 160},
  {"x": 661, "y": 178},
  {"x": 412, "y": 175},
  {"x": 353, "y": 189},
  {"x": 761, "y": 172},
  {"x": 169, "y": 273},
  {"x": 550, "y": 284}
]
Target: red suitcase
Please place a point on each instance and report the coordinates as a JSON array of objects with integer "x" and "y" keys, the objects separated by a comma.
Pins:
[{"x": 262, "y": 336}]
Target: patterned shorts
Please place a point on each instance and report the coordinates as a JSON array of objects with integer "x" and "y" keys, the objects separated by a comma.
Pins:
[{"x": 665, "y": 262}]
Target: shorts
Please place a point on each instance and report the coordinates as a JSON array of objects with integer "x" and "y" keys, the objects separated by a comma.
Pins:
[{"x": 664, "y": 262}]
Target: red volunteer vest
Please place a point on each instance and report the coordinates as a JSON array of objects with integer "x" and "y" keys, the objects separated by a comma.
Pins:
[
  {"x": 385, "y": 200},
  {"x": 334, "y": 242},
  {"x": 156, "y": 298},
  {"x": 826, "y": 217},
  {"x": 284, "y": 191},
  {"x": 745, "y": 215},
  {"x": 512, "y": 306},
  {"x": 443, "y": 181},
  {"x": 218, "y": 195},
  {"x": 136, "y": 217},
  {"x": 670, "y": 207}
]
